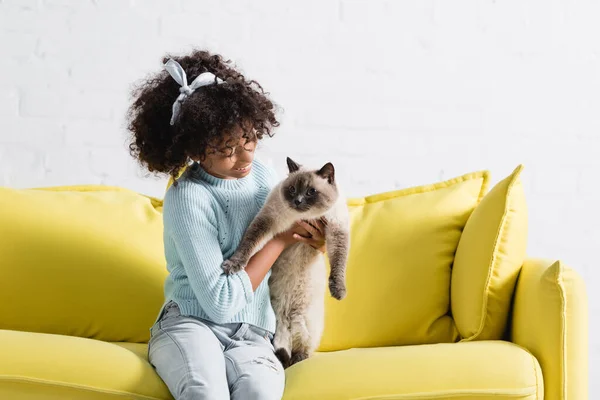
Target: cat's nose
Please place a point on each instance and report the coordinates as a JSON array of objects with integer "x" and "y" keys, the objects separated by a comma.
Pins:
[{"x": 298, "y": 201}]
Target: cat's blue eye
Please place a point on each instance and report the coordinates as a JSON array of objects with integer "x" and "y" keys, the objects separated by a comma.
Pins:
[
  {"x": 311, "y": 192},
  {"x": 292, "y": 189}
]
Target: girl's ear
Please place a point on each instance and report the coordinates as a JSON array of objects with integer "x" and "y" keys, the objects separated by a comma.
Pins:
[
  {"x": 292, "y": 165},
  {"x": 327, "y": 172}
]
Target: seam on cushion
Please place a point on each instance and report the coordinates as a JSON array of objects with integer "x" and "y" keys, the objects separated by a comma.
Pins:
[
  {"x": 376, "y": 198},
  {"x": 537, "y": 386},
  {"x": 484, "y": 186},
  {"x": 535, "y": 373},
  {"x": 499, "y": 233},
  {"x": 516, "y": 393},
  {"x": 417, "y": 190},
  {"x": 563, "y": 333},
  {"x": 23, "y": 379},
  {"x": 95, "y": 188},
  {"x": 81, "y": 188}
]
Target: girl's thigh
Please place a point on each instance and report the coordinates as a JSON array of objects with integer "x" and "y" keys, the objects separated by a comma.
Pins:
[
  {"x": 189, "y": 359},
  {"x": 254, "y": 373}
]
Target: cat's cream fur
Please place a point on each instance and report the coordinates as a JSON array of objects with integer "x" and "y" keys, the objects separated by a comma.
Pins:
[{"x": 298, "y": 278}]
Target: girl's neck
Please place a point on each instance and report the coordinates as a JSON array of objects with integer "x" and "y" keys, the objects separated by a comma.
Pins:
[
  {"x": 200, "y": 173},
  {"x": 214, "y": 174}
]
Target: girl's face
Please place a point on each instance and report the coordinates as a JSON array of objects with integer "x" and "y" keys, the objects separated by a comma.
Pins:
[{"x": 231, "y": 163}]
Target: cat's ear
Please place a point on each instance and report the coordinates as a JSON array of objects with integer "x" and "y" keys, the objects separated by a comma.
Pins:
[
  {"x": 327, "y": 172},
  {"x": 292, "y": 165}
]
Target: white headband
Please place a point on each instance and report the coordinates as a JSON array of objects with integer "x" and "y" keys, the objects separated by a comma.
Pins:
[{"x": 177, "y": 72}]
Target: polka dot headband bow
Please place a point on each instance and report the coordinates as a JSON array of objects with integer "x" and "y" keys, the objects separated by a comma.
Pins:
[{"x": 177, "y": 73}]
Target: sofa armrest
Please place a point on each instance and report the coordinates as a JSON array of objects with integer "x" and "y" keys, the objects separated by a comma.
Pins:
[{"x": 550, "y": 320}]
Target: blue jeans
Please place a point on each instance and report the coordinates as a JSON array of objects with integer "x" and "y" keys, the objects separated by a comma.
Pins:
[{"x": 198, "y": 359}]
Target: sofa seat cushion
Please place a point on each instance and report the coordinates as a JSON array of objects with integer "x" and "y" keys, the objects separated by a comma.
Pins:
[
  {"x": 482, "y": 370},
  {"x": 48, "y": 366}
]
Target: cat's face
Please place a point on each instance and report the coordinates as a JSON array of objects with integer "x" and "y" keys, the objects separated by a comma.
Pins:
[{"x": 305, "y": 190}]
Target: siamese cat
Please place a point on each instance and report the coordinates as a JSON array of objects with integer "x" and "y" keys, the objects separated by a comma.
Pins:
[{"x": 298, "y": 278}]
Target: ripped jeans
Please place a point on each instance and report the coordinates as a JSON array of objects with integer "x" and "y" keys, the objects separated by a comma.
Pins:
[{"x": 198, "y": 359}]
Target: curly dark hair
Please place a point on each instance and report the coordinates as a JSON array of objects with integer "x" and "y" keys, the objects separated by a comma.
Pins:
[{"x": 209, "y": 118}]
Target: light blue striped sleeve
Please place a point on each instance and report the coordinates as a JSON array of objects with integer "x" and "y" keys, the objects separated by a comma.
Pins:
[{"x": 190, "y": 221}]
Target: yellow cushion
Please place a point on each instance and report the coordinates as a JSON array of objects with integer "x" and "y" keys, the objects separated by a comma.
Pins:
[
  {"x": 488, "y": 259},
  {"x": 45, "y": 366},
  {"x": 84, "y": 261},
  {"x": 398, "y": 275},
  {"x": 475, "y": 370}
]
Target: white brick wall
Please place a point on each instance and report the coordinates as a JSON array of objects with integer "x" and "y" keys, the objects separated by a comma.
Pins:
[{"x": 396, "y": 93}]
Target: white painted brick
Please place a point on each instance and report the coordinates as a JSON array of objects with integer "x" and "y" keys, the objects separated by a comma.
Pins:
[
  {"x": 187, "y": 25},
  {"x": 395, "y": 93},
  {"x": 124, "y": 26},
  {"x": 106, "y": 162},
  {"x": 34, "y": 21},
  {"x": 69, "y": 166},
  {"x": 554, "y": 179},
  {"x": 588, "y": 179},
  {"x": 19, "y": 46},
  {"x": 9, "y": 102},
  {"x": 115, "y": 167},
  {"x": 96, "y": 134},
  {"x": 68, "y": 104},
  {"x": 73, "y": 4},
  {"x": 19, "y": 5},
  {"x": 39, "y": 131},
  {"x": 118, "y": 5},
  {"x": 88, "y": 41},
  {"x": 158, "y": 7},
  {"x": 93, "y": 5},
  {"x": 21, "y": 165},
  {"x": 34, "y": 73},
  {"x": 105, "y": 74}
]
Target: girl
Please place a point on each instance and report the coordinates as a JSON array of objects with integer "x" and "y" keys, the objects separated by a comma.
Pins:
[{"x": 213, "y": 335}]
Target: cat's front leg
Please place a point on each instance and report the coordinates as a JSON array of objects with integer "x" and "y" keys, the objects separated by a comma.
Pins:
[
  {"x": 338, "y": 246},
  {"x": 260, "y": 231}
]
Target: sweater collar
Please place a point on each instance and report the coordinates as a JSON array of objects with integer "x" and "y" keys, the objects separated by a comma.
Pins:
[{"x": 230, "y": 184}]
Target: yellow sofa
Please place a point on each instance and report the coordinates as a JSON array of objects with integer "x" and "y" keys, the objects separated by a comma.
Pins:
[{"x": 82, "y": 269}]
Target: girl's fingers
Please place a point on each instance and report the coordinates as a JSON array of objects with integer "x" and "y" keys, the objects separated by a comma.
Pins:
[
  {"x": 309, "y": 228},
  {"x": 311, "y": 242},
  {"x": 303, "y": 239},
  {"x": 318, "y": 225},
  {"x": 321, "y": 227},
  {"x": 301, "y": 230}
]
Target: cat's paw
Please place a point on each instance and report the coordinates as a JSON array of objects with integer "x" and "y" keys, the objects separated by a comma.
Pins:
[
  {"x": 298, "y": 357},
  {"x": 337, "y": 289},
  {"x": 232, "y": 266}
]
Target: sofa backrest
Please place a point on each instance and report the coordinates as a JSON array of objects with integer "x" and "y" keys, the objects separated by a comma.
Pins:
[{"x": 88, "y": 261}]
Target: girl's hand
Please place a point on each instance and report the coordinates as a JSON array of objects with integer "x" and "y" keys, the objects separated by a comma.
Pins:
[
  {"x": 315, "y": 234},
  {"x": 288, "y": 237},
  {"x": 312, "y": 234}
]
